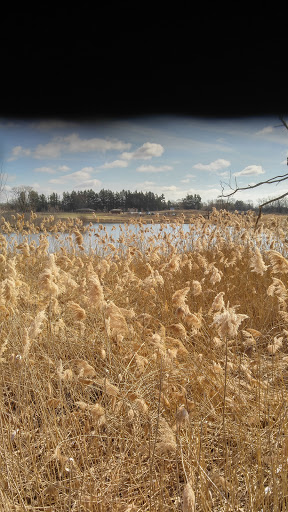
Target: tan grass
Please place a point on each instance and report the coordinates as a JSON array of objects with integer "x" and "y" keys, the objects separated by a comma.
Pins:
[{"x": 148, "y": 376}]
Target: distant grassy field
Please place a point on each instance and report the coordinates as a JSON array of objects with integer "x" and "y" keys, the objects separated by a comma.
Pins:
[{"x": 125, "y": 217}]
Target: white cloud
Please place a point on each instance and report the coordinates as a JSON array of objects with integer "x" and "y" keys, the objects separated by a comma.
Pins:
[
  {"x": 250, "y": 170},
  {"x": 152, "y": 168},
  {"x": 186, "y": 180},
  {"x": 265, "y": 131},
  {"x": 35, "y": 186},
  {"x": 275, "y": 134},
  {"x": 52, "y": 170},
  {"x": 87, "y": 184},
  {"x": 49, "y": 150},
  {"x": 69, "y": 144},
  {"x": 145, "y": 185},
  {"x": 115, "y": 163},
  {"x": 75, "y": 144},
  {"x": 78, "y": 176},
  {"x": 169, "y": 188},
  {"x": 86, "y": 170},
  {"x": 7, "y": 188},
  {"x": 18, "y": 152},
  {"x": 145, "y": 152},
  {"x": 218, "y": 164},
  {"x": 63, "y": 168}
]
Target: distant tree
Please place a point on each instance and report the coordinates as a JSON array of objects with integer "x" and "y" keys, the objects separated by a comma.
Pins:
[
  {"x": 242, "y": 206},
  {"x": 192, "y": 202},
  {"x": 20, "y": 200},
  {"x": 42, "y": 203},
  {"x": 33, "y": 200},
  {"x": 54, "y": 201}
]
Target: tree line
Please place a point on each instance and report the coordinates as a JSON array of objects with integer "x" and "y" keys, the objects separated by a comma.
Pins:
[{"x": 25, "y": 198}]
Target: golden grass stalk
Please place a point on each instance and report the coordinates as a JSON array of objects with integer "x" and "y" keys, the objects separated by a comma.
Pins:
[
  {"x": 166, "y": 444},
  {"x": 228, "y": 322},
  {"x": 218, "y": 303},
  {"x": 35, "y": 327},
  {"x": 277, "y": 288},
  {"x": 95, "y": 291},
  {"x": 196, "y": 288},
  {"x": 189, "y": 501},
  {"x": 278, "y": 262},
  {"x": 256, "y": 263},
  {"x": 79, "y": 313}
]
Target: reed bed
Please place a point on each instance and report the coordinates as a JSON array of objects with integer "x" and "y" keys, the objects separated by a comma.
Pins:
[{"x": 147, "y": 374}]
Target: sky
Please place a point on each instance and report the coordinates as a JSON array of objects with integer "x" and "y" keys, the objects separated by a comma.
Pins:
[{"x": 169, "y": 155}]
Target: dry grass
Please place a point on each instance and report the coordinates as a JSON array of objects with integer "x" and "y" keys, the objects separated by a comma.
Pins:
[{"x": 151, "y": 379}]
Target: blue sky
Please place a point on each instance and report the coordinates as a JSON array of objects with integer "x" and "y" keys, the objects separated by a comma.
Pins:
[{"x": 170, "y": 155}]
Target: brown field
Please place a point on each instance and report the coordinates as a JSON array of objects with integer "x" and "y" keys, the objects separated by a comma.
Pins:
[
  {"x": 153, "y": 379},
  {"x": 112, "y": 218}
]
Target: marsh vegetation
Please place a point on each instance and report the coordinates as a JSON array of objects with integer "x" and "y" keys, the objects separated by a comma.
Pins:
[{"x": 147, "y": 379}]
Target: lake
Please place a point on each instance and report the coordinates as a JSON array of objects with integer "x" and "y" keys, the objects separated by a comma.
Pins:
[{"x": 103, "y": 238}]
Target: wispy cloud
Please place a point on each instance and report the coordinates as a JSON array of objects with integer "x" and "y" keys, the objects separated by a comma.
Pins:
[
  {"x": 145, "y": 152},
  {"x": 169, "y": 188},
  {"x": 276, "y": 134},
  {"x": 216, "y": 165},
  {"x": 115, "y": 163},
  {"x": 250, "y": 170},
  {"x": 52, "y": 170},
  {"x": 145, "y": 185},
  {"x": 74, "y": 144},
  {"x": 19, "y": 152},
  {"x": 152, "y": 168},
  {"x": 82, "y": 176},
  {"x": 265, "y": 131},
  {"x": 69, "y": 144}
]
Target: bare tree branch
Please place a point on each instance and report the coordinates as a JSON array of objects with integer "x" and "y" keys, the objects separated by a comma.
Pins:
[
  {"x": 268, "y": 202},
  {"x": 275, "y": 180}
]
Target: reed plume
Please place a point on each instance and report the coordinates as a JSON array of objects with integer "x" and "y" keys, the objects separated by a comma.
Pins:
[
  {"x": 278, "y": 262},
  {"x": 95, "y": 291},
  {"x": 189, "y": 502},
  {"x": 228, "y": 321},
  {"x": 79, "y": 313},
  {"x": 257, "y": 264}
]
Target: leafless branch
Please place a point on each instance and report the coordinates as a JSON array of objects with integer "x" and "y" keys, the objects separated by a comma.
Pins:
[
  {"x": 275, "y": 180},
  {"x": 268, "y": 202}
]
